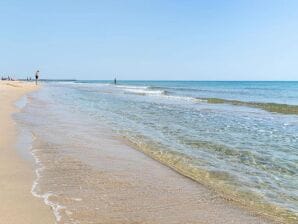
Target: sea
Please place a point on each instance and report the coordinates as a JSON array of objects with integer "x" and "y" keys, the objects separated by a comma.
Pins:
[{"x": 238, "y": 138}]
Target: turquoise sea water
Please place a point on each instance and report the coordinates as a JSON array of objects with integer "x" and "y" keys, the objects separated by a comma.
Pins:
[{"x": 239, "y": 138}]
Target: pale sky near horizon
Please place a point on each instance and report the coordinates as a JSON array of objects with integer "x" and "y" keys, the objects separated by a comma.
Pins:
[{"x": 150, "y": 40}]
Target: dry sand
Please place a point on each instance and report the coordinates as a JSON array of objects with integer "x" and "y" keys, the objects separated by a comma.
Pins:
[{"x": 17, "y": 204}]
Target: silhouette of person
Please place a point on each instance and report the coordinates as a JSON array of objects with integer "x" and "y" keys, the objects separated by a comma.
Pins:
[{"x": 36, "y": 76}]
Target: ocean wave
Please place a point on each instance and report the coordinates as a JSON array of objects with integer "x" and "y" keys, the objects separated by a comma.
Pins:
[
  {"x": 161, "y": 93},
  {"x": 144, "y": 91},
  {"x": 148, "y": 91},
  {"x": 202, "y": 90}
]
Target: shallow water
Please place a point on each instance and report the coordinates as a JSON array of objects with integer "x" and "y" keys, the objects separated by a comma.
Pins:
[{"x": 245, "y": 152}]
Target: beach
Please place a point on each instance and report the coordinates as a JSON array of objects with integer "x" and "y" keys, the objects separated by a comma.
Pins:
[
  {"x": 96, "y": 178},
  {"x": 18, "y": 205},
  {"x": 149, "y": 112}
]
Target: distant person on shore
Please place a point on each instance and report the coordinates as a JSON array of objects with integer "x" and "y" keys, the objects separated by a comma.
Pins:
[
  {"x": 36, "y": 76},
  {"x": 115, "y": 81}
]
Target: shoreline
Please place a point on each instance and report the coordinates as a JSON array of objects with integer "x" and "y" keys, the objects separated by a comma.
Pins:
[
  {"x": 152, "y": 189},
  {"x": 244, "y": 200},
  {"x": 17, "y": 204}
]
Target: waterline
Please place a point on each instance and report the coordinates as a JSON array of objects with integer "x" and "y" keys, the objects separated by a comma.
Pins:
[{"x": 246, "y": 154}]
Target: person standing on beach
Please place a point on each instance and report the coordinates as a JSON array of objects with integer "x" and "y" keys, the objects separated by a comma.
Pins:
[
  {"x": 36, "y": 76},
  {"x": 115, "y": 81}
]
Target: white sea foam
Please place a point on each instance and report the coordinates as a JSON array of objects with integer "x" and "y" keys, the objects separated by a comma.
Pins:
[
  {"x": 144, "y": 91},
  {"x": 158, "y": 93},
  {"x": 183, "y": 98},
  {"x": 46, "y": 196}
]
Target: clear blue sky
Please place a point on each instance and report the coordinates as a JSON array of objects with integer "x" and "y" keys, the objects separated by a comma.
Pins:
[{"x": 174, "y": 39}]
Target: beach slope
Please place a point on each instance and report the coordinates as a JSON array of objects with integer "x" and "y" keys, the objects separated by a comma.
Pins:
[{"x": 17, "y": 204}]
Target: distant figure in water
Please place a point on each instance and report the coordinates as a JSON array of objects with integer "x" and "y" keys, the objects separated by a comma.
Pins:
[
  {"x": 36, "y": 76},
  {"x": 115, "y": 81}
]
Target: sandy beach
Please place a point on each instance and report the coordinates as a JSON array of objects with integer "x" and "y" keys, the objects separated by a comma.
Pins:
[
  {"x": 149, "y": 112},
  {"x": 17, "y": 204}
]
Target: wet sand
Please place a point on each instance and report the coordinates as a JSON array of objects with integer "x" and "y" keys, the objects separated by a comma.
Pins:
[
  {"x": 17, "y": 204},
  {"x": 107, "y": 181}
]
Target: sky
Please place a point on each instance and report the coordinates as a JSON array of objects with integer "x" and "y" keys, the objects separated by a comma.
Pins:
[{"x": 150, "y": 40}]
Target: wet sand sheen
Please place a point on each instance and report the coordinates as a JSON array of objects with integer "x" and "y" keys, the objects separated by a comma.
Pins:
[{"x": 117, "y": 184}]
